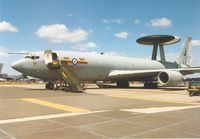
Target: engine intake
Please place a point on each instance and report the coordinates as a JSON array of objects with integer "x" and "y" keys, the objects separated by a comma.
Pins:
[{"x": 170, "y": 78}]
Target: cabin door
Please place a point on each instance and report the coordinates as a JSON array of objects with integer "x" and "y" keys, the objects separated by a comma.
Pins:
[{"x": 48, "y": 57}]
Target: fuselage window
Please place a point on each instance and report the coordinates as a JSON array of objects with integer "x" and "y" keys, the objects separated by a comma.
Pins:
[{"x": 27, "y": 56}]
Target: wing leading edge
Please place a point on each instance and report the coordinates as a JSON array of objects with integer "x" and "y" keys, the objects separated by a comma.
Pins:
[{"x": 114, "y": 74}]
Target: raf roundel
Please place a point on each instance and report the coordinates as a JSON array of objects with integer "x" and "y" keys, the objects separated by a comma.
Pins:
[{"x": 74, "y": 61}]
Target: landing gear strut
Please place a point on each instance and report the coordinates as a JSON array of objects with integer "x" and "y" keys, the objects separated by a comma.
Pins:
[
  {"x": 150, "y": 85},
  {"x": 49, "y": 86},
  {"x": 122, "y": 84}
]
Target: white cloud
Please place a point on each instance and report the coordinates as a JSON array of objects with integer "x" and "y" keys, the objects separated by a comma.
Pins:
[
  {"x": 4, "y": 52},
  {"x": 173, "y": 56},
  {"x": 122, "y": 35},
  {"x": 195, "y": 42},
  {"x": 7, "y": 27},
  {"x": 84, "y": 46},
  {"x": 162, "y": 22},
  {"x": 136, "y": 21},
  {"x": 106, "y": 21},
  {"x": 170, "y": 57},
  {"x": 113, "y": 53},
  {"x": 59, "y": 33}
]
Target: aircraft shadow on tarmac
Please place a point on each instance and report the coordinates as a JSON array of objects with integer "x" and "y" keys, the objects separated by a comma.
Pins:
[
  {"x": 139, "y": 87},
  {"x": 35, "y": 89},
  {"x": 173, "y": 89},
  {"x": 115, "y": 87}
]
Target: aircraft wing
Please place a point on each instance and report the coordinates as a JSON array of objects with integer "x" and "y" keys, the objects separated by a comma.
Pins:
[
  {"x": 189, "y": 70},
  {"x": 12, "y": 77},
  {"x": 145, "y": 73},
  {"x": 18, "y": 53},
  {"x": 132, "y": 73}
]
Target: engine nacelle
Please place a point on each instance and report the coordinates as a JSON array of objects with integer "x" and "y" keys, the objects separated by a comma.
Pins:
[{"x": 170, "y": 78}]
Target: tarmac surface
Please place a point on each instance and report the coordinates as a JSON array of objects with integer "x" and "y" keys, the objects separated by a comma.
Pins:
[{"x": 31, "y": 112}]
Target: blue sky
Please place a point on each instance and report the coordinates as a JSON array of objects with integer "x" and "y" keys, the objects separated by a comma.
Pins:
[{"x": 110, "y": 26}]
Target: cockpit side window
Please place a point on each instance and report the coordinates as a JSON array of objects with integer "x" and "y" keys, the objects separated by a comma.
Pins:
[
  {"x": 54, "y": 56},
  {"x": 37, "y": 57},
  {"x": 33, "y": 57}
]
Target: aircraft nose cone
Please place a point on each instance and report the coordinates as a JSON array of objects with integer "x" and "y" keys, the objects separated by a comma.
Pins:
[{"x": 18, "y": 65}]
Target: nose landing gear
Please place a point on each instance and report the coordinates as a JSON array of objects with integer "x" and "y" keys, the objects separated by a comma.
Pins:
[{"x": 49, "y": 86}]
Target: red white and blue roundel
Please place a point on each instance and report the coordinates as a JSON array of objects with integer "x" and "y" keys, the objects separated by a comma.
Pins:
[{"x": 74, "y": 61}]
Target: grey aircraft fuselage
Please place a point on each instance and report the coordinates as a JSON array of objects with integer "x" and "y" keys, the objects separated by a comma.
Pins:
[{"x": 95, "y": 68}]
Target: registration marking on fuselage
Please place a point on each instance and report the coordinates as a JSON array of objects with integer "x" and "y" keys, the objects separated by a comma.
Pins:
[{"x": 55, "y": 105}]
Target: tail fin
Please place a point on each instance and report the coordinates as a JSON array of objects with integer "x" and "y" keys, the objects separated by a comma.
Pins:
[
  {"x": 1, "y": 66},
  {"x": 186, "y": 54}
]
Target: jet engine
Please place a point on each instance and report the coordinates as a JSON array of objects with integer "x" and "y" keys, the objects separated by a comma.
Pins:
[{"x": 169, "y": 78}]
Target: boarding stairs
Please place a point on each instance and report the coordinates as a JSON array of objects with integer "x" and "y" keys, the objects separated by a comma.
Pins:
[
  {"x": 68, "y": 75},
  {"x": 73, "y": 83}
]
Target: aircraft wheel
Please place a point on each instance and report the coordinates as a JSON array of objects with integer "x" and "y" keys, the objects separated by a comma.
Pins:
[
  {"x": 150, "y": 85},
  {"x": 145, "y": 85},
  {"x": 122, "y": 84},
  {"x": 190, "y": 93},
  {"x": 155, "y": 85},
  {"x": 49, "y": 86}
]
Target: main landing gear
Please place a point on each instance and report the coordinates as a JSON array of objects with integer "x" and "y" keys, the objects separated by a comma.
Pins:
[
  {"x": 122, "y": 84},
  {"x": 150, "y": 85},
  {"x": 49, "y": 86}
]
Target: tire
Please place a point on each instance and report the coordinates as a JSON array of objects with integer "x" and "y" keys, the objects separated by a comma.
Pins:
[
  {"x": 122, "y": 84},
  {"x": 47, "y": 86},
  {"x": 155, "y": 85},
  {"x": 190, "y": 94},
  {"x": 145, "y": 85},
  {"x": 150, "y": 85},
  {"x": 51, "y": 86}
]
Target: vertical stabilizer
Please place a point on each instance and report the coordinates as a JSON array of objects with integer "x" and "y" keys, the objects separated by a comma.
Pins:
[
  {"x": 1, "y": 66},
  {"x": 185, "y": 56}
]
